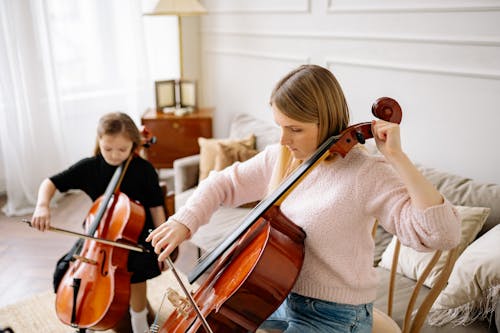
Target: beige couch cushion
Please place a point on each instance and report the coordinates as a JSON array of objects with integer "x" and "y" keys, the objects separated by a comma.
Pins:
[
  {"x": 464, "y": 191},
  {"x": 208, "y": 151},
  {"x": 473, "y": 289},
  {"x": 224, "y": 221},
  {"x": 412, "y": 263}
]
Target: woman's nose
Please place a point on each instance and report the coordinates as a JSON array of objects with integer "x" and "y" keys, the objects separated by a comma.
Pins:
[{"x": 284, "y": 139}]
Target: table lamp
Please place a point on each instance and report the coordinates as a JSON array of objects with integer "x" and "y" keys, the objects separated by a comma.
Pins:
[{"x": 178, "y": 8}]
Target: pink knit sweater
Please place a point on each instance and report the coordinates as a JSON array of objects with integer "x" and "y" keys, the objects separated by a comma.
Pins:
[{"x": 336, "y": 205}]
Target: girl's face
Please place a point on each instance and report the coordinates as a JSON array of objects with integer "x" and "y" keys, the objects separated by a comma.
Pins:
[
  {"x": 300, "y": 138},
  {"x": 115, "y": 148}
]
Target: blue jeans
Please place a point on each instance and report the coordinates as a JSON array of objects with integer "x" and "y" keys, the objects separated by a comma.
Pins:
[{"x": 300, "y": 314}]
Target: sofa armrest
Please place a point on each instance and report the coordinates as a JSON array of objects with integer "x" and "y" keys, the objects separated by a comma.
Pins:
[{"x": 186, "y": 173}]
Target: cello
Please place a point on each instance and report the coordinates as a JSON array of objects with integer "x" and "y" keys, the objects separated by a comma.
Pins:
[
  {"x": 256, "y": 266},
  {"x": 94, "y": 291}
]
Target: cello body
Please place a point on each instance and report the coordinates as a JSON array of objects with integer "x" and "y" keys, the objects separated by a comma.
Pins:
[
  {"x": 258, "y": 274},
  {"x": 94, "y": 292}
]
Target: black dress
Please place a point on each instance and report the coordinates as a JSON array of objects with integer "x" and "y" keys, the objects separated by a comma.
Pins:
[{"x": 140, "y": 183}]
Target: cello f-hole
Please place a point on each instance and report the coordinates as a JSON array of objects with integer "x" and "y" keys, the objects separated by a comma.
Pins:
[{"x": 104, "y": 272}]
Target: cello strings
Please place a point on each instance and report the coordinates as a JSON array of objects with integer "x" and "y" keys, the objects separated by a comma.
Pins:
[
  {"x": 207, "y": 252},
  {"x": 154, "y": 326},
  {"x": 189, "y": 297}
]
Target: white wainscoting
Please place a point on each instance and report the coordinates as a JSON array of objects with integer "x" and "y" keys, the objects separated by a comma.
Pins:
[{"x": 440, "y": 60}]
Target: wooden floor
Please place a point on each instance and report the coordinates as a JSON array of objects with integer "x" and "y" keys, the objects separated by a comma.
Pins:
[{"x": 28, "y": 256}]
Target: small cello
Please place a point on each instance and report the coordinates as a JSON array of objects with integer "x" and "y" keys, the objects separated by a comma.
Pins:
[
  {"x": 256, "y": 266},
  {"x": 94, "y": 291}
]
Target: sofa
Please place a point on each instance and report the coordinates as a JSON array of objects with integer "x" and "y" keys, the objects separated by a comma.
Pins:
[{"x": 466, "y": 304}]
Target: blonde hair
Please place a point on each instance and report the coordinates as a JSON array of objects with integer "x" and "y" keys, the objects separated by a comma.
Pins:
[
  {"x": 311, "y": 94},
  {"x": 115, "y": 123}
]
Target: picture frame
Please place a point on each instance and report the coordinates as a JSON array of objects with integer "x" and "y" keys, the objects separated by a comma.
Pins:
[
  {"x": 187, "y": 93},
  {"x": 165, "y": 94}
]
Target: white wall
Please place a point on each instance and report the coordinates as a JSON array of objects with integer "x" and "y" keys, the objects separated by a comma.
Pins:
[
  {"x": 439, "y": 59},
  {"x": 3, "y": 184}
]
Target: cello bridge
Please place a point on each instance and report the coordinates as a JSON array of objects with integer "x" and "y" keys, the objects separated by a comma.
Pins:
[
  {"x": 181, "y": 304},
  {"x": 85, "y": 260}
]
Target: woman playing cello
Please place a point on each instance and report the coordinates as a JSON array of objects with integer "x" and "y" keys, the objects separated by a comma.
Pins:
[
  {"x": 336, "y": 205},
  {"x": 117, "y": 138}
]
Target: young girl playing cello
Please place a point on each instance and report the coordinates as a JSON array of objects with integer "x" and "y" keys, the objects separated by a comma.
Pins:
[{"x": 117, "y": 138}]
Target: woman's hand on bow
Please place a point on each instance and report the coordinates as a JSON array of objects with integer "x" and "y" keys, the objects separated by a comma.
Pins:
[{"x": 167, "y": 237}]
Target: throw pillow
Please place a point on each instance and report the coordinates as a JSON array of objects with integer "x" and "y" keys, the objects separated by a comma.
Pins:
[
  {"x": 208, "y": 152},
  {"x": 227, "y": 154},
  {"x": 473, "y": 290},
  {"x": 412, "y": 263}
]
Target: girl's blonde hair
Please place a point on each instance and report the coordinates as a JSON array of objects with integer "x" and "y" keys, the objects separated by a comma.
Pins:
[
  {"x": 311, "y": 94},
  {"x": 115, "y": 123}
]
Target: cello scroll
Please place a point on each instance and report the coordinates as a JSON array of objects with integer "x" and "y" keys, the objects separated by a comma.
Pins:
[{"x": 384, "y": 108}]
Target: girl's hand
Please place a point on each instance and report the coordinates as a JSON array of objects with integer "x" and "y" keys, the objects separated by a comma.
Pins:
[
  {"x": 41, "y": 218},
  {"x": 387, "y": 138},
  {"x": 167, "y": 237}
]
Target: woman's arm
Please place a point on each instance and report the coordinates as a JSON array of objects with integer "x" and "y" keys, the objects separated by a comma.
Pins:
[
  {"x": 424, "y": 220},
  {"x": 422, "y": 192},
  {"x": 231, "y": 187}
]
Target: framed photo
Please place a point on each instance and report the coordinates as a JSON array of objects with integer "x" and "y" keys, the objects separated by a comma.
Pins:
[
  {"x": 165, "y": 94},
  {"x": 187, "y": 93}
]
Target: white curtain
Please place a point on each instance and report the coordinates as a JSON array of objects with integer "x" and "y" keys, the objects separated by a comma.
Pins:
[{"x": 63, "y": 64}]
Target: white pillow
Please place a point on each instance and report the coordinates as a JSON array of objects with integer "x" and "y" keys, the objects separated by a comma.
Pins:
[
  {"x": 412, "y": 263},
  {"x": 473, "y": 290}
]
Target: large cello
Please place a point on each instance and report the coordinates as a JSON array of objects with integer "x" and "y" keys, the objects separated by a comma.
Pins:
[{"x": 255, "y": 268}]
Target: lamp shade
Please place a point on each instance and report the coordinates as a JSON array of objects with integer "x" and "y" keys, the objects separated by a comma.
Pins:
[{"x": 178, "y": 7}]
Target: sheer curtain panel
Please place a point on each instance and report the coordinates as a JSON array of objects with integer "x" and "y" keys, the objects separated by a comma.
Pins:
[
  {"x": 30, "y": 128},
  {"x": 64, "y": 64}
]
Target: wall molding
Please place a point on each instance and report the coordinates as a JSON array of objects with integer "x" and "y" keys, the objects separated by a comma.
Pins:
[
  {"x": 333, "y": 6},
  {"x": 414, "y": 68},
  {"x": 304, "y": 6},
  {"x": 260, "y": 55},
  {"x": 475, "y": 41}
]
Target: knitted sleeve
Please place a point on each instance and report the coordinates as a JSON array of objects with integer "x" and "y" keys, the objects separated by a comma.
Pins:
[
  {"x": 240, "y": 183},
  {"x": 387, "y": 199}
]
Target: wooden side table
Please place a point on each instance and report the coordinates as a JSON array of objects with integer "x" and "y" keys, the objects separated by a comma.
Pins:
[{"x": 177, "y": 136}]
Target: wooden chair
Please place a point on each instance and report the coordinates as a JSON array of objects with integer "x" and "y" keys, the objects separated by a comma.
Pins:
[{"x": 412, "y": 323}]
